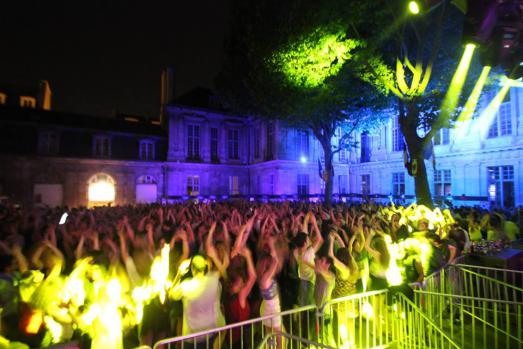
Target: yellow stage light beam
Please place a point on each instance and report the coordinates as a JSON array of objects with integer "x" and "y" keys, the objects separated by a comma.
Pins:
[
  {"x": 458, "y": 80},
  {"x": 467, "y": 113},
  {"x": 488, "y": 115}
]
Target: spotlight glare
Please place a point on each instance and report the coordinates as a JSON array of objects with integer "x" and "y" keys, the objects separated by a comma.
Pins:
[
  {"x": 413, "y": 7},
  {"x": 303, "y": 159},
  {"x": 458, "y": 80}
]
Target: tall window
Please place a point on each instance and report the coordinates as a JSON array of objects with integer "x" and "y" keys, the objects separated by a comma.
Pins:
[
  {"x": 442, "y": 182},
  {"x": 3, "y": 98},
  {"x": 398, "y": 183},
  {"x": 342, "y": 183},
  {"x": 501, "y": 185},
  {"x": 214, "y": 144},
  {"x": 146, "y": 150},
  {"x": 193, "y": 185},
  {"x": 397, "y": 136},
  {"x": 502, "y": 123},
  {"x": 232, "y": 138},
  {"x": 48, "y": 142},
  {"x": 193, "y": 142},
  {"x": 442, "y": 137},
  {"x": 365, "y": 147},
  {"x": 101, "y": 146},
  {"x": 257, "y": 142},
  {"x": 271, "y": 184},
  {"x": 270, "y": 141},
  {"x": 342, "y": 155},
  {"x": 303, "y": 184},
  {"x": 302, "y": 144},
  {"x": 234, "y": 185},
  {"x": 365, "y": 184},
  {"x": 27, "y": 102}
]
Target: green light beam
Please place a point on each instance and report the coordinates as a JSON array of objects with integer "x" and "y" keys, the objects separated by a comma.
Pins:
[
  {"x": 462, "y": 123},
  {"x": 488, "y": 115},
  {"x": 458, "y": 80}
]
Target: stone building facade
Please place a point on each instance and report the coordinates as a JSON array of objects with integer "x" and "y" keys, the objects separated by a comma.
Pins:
[{"x": 480, "y": 162}]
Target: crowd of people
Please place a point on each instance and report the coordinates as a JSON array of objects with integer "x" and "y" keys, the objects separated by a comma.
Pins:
[{"x": 118, "y": 277}]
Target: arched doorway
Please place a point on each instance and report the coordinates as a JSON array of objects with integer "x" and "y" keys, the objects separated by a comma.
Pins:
[{"x": 101, "y": 190}]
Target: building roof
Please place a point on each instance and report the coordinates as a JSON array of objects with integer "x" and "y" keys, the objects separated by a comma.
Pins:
[{"x": 80, "y": 121}]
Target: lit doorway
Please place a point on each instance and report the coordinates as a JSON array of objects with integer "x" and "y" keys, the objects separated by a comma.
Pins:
[{"x": 101, "y": 190}]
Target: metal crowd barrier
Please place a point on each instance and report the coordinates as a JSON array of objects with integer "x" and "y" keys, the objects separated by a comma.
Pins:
[
  {"x": 366, "y": 325},
  {"x": 477, "y": 281},
  {"x": 474, "y": 322},
  {"x": 412, "y": 328}
]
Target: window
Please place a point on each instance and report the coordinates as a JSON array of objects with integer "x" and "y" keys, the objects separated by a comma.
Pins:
[
  {"x": 27, "y": 102},
  {"x": 193, "y": 185},
  {"x": 365, "y": 184},
  {"x": 271, "y": 184},
  {"x": 232, "y": 139},
  {"x": 146, "y": 150},
  {"x": 342, "y": 183},
  {"x": 442, "y": 182},
  {"x": 48, "y": 142},
  {"x": 257, "y": 141},
  {"x": 398, "y": 183},
  {"x": 193, "y": 142},
  {"x": 501, "y": 185},
  {"x": 397, "y": 136},
  {"x": 146, "y": 179},
  {"x": 214, "y": 144},
  {"x": 442, "y": 137},
  {"x": 234, "y": 187},
  {"x": 3, "y": 98},
  {"x": 342, "y": 156},
  {"x": 270, "y": 141},
  {"x": 303, "y": 184},
  {"x": 101, "y": 147},
  {"x": 302, "y": 144},
  {"x": 365, "y": 147},
  {"x": 502, "y": 123}
]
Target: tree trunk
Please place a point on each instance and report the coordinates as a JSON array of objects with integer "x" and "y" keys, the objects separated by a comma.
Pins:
[
  {"x": 328, "y": 172},
  {"x": 423, "y": 195},
  {"x": 416, "y": 149}
]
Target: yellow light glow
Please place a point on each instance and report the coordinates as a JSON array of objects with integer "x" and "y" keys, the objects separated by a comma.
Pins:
[
  {"x": 451, "y": 99},
  {"x": 367, "y": 310},
  {"x": 101, "y": 192},
  {"x": 487, "y": 116},
  {"x": 54, "y": 327},
  {"x": 160, "y": 273},
  {"x": 414, "y": 7}
]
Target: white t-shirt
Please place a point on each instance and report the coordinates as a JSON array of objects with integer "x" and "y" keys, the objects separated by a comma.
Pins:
[
  {"x": 201, "y": 303},
  {"x": 305, "y": 272}
]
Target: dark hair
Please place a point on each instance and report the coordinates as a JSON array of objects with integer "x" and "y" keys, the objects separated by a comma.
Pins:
[
  {"x": 343, "y": 255},
  {"x": 300, "y": 239}
]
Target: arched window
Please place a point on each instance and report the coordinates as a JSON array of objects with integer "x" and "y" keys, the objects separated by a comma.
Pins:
[{"x": 101, "y": 190}]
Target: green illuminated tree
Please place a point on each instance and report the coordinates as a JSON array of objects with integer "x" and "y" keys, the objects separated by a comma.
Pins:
[
  {"x": 424, "y": 54},
  {"x": 298, "y": 61}
]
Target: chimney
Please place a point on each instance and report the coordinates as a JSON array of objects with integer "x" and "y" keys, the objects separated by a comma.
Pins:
[
  {"x": 44, "y": 95},
  {"x": 166, "y": 93}
]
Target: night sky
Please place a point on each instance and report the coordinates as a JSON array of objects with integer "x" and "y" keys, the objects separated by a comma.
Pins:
[{"x": 105, "y": 55}]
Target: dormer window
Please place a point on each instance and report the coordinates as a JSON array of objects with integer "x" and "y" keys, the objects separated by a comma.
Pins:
[
  {"x": 101, "y": 146},
  {"x": 27, "y": 102},
  {"x": 146, "y": 150}
]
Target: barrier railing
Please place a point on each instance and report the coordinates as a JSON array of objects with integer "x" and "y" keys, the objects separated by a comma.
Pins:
[
  {"x": 289, "y": 337},
  {"x": 248, "y": 334},
  {"x": 359, "y": 319},
  {"x": 474, "y": 322},
  {"x": 414, "y": 329}
]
